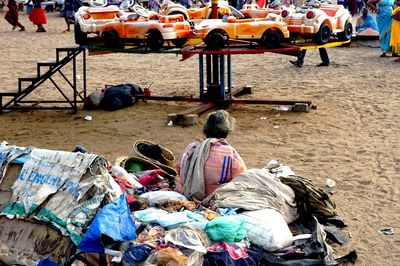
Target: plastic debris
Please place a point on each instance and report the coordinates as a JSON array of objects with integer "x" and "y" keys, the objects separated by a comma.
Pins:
[
  {"x": 285, "y": 107},
  {"x": 388, "y": 230},
  {"x": 88, "y": 118},
  {"x": 170, "y": 124},
  {"x": 330, "y": 182}
]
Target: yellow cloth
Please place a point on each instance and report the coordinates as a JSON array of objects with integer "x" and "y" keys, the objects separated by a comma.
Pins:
[{"x": 395, "y": 35}]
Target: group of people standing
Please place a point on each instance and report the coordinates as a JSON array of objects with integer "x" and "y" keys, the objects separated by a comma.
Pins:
[
  {"x": 388, "y": 21},
  {"x": 37, "y": 16}
]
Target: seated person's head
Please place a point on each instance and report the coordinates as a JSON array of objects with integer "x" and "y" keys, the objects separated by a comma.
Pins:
[
  {"x": 218, "y": 124},
  {"x": 364, "y": 12}
]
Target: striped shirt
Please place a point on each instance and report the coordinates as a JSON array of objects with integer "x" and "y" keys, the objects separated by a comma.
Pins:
[{"x": 223, "y": 164}]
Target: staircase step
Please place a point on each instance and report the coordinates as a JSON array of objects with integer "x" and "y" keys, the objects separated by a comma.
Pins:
[
  {"x": 50, "y": 62},
  {"x": 68, "y": 48},
  {"x": 31, "y": 77},
  {"x": 9, "y": 93}
]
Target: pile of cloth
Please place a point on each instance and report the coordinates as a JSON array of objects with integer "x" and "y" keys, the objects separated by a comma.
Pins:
[{"x": 265, "y": 216}]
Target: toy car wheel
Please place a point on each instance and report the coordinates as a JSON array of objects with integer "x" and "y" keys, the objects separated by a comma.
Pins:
[
  {"x": 80, "y": 37},
  {"x": 347, "y": 33},
  {"x": 271, "y": 39},
  {"x": 323, "y": 35},
  {"x": 216, "y": 40},
  {"x": 111, "y": 39},
  {"x": 179, "y": 42},
  {"x": 154, "y": 40}
]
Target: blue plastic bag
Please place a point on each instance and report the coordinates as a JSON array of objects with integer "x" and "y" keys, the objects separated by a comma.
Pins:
[{"x": 113, "y": 220}]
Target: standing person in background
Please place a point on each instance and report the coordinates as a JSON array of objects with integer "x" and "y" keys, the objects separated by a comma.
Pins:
[
  {"x": 395, "y": 35},
  {"x": 12, "y": 15},
  {"x": 352, "y": 7},
  {"x": 322, "y": 53},
  {"x": 384, "y": 11},
  {"x": 154, "y": 5},
  {"x": 37, "y": 16},
  {"x": 70, "y": 7}
]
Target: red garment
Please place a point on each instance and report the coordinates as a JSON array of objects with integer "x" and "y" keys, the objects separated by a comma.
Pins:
[
  {"x": 153, "y": 178},
  {"x": 236, "y": 252},
  {"x": 261, "y": 3},
  {"x": 37, "y": 16},
  {"x": 12, "y": 13}
]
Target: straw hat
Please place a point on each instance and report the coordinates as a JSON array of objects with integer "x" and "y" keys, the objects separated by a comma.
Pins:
[
  {"x": 138, "y": 164},
  {"x": 155, "y": 154}
]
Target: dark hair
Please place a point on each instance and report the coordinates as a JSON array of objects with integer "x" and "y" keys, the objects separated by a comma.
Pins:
[{"x": 218, "y": 124}]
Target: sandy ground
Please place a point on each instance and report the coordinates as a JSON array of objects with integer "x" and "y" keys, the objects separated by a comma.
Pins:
[{"x": 352, "y": 137}]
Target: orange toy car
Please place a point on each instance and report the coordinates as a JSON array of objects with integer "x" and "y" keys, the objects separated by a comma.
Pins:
[
  {"x": 133, "y": 27},
  {"x": 254, "y": 11},
  {"x": 196, "y": 13},
  {"x": 320, "y": 22},
  {"x": 216, "y": 33}
]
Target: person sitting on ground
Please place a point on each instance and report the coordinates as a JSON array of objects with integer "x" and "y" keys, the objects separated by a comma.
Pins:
[
  {"x": 207, "y": 164},
  {"x": 365, "y": 21}
]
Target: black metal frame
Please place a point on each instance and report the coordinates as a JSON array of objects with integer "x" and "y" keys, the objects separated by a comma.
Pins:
[{"x": 64, "y": 56}]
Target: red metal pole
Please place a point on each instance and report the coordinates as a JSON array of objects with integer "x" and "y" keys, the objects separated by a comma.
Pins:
[{"x": 214, "y": 9}]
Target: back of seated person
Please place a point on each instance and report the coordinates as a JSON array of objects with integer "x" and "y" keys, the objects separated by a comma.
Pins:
[{"x": 207, "y": 164}]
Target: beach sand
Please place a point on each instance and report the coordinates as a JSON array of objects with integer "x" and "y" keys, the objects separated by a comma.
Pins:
[{"x": 351, "y": 138}]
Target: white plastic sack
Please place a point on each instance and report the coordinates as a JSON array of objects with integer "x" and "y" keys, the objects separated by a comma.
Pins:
[
  {"x": 158, "y": 197},
  {"x": 188, "y": 237},
  {"x": 268, "y": 229}
]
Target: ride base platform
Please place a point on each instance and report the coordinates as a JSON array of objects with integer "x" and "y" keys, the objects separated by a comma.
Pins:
[{"x": 215, "y": 75}]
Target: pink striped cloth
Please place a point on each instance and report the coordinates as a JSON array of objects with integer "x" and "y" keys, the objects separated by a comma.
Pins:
[{"x": 223, "y": 164}]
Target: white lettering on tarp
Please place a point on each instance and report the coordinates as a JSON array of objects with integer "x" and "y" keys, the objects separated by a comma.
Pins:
[{"x": 36, "y": 177}]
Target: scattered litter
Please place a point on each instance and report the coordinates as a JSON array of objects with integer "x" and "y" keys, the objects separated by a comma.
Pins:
[
  {"x": 330, "y": 182},
  {"x": 263, "y": 118},
  {"x": 285, "y": 107},
  {"x": 23, "y": 132},
  {"x": 88, "y": 118},
  {"x": 3, "y": 143},
  {"x": 170, "y": 124},
  {"x": 78, "y": 77},
  {"x": 276, "y": 126},
  {"x": 350, "y": 235},
  {"x": 277, "y": 115},
  {"x": 386, "y": 230}
]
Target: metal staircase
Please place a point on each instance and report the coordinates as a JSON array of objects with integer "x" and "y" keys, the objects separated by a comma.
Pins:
[{"x": 45, "y": 71}]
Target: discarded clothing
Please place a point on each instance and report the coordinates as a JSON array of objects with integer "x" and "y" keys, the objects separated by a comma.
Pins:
[
  {"x": 226, "y": 228},
  {"x": 255, "y": 189}
]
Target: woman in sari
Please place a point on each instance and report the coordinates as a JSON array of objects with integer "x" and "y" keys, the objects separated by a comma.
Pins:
[
  {"x": 395, "y": 36},
  {"x": 384, "y": 9}
]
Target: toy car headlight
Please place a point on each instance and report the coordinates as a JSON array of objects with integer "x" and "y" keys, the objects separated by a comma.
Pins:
[
  {"x": 86, "y": 16},
  {"x": 310, "y": 14},
  {"x": 285, "y": 13}
]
